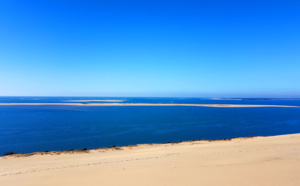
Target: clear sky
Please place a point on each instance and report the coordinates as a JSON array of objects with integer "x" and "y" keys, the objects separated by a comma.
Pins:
[{"x": 201, "y": 48}]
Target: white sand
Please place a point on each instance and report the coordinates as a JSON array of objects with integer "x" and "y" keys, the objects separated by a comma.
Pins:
[
  {"x": 144, "y": 104},
  {"x": 253, "y": 161}
]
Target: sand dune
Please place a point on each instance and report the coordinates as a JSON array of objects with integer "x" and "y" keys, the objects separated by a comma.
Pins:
[
  {"x": 144, "y": 104},
  {"x": 252, "y": 161}
]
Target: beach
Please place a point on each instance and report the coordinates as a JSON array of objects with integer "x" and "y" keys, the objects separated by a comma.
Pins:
[{"x": 273, "y": 160}]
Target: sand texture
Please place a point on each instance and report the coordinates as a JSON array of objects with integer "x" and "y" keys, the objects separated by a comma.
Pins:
[{"x": 264, "y": 161}]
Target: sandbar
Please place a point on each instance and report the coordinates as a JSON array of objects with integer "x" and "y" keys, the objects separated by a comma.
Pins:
[
  {"x": 144, "y": 104},
  {"x": 96, "y": 100},
  {"x": 273, "y": 160}
]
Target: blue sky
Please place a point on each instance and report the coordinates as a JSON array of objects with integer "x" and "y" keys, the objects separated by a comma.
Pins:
[{"x": 213, "y": 48}]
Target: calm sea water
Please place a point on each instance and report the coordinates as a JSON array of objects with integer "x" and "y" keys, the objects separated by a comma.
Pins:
[{"x": 25, "y": 129}]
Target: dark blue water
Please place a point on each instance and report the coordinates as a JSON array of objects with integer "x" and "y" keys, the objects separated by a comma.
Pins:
[{"x": 25, "y": 129}]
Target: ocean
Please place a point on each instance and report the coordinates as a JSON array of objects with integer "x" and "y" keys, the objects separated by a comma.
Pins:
[{"x": 32, "y": 128}]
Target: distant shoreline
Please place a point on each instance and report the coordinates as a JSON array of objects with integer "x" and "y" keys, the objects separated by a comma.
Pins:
[
  {"x": 142, "y": 104},
  {"x": 97, "y": 100},
  {"x": 255, "y": 99}
]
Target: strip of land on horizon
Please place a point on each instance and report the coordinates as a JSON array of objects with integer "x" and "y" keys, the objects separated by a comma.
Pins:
[{"x": 145, "y": 104}]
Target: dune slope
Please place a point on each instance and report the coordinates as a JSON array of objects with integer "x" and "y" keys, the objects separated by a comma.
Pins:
[{"x": 271, "y": 160}]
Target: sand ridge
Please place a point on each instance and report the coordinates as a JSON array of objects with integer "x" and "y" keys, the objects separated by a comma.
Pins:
[{"x": 271, "y": 160}]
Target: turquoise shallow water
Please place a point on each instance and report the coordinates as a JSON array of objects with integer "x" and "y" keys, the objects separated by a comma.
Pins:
[{"x": 25, "y": 129}]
